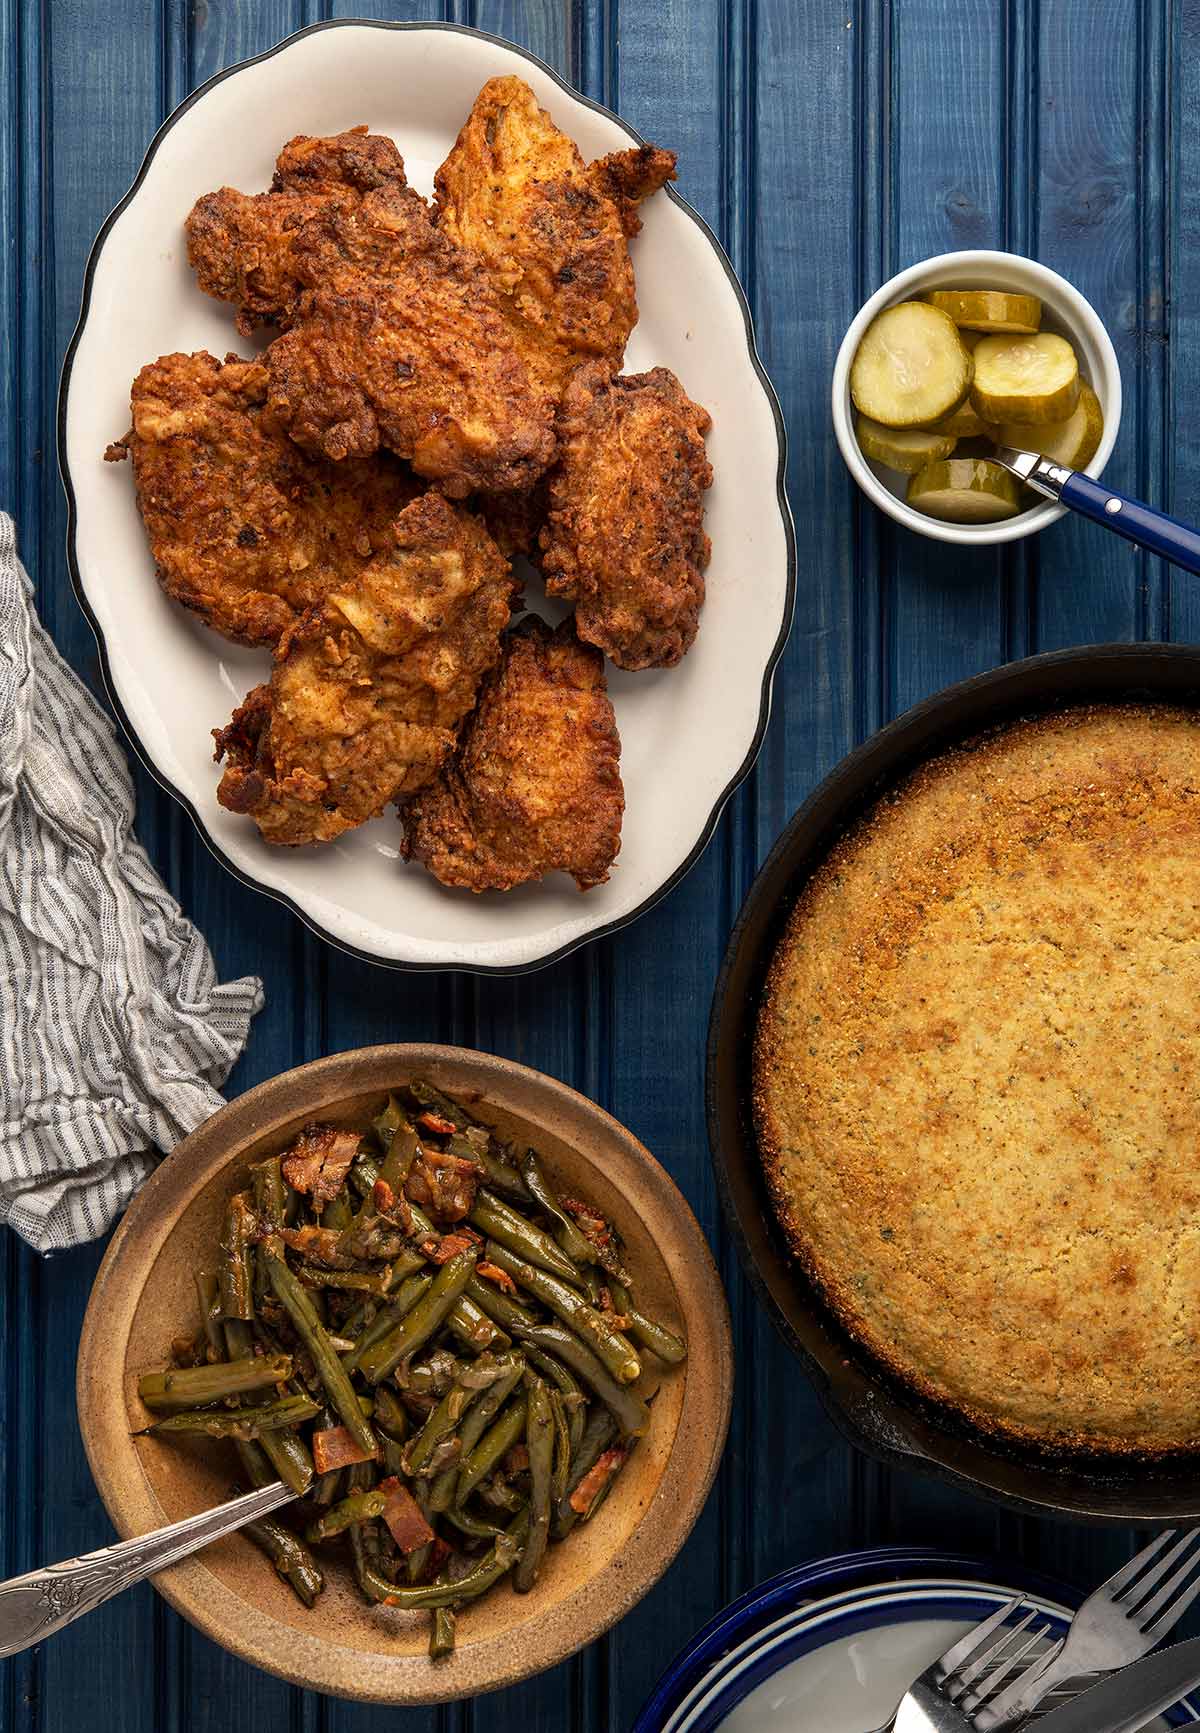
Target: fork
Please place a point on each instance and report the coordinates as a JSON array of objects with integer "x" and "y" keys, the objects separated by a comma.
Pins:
[
  {"x": 970, "y": 1672},
  {"x": 1119, "y": 1622}
]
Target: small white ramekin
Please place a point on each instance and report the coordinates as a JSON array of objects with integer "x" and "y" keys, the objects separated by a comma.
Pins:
[{"x": 1064, "y": 310}]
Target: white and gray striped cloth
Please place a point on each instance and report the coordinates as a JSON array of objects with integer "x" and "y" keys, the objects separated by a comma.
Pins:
[{"x": 116, "y": 1029}]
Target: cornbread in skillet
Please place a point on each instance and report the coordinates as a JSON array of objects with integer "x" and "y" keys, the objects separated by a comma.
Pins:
[{"x": 976, "y": 1080}]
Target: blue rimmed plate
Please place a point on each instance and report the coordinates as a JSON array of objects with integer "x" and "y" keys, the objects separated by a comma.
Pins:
[{"x": 830, "y": 1646}]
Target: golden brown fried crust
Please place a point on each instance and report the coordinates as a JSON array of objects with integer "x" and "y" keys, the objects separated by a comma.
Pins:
[
  {"x": 624, "y": 538},
  {"x": 247, "y": 530},
  {"x": 240, "y": 244},
  {"x": 398, "y": 341},
  {"x": 550, "y": 230},
  {"x": 369, "y": 689},
  {"x": 393, "y": 335},
  {"x": 535, "y": 786},
  {"x": 977, "y": 1082},
  {"x": 514, "y": 520}
]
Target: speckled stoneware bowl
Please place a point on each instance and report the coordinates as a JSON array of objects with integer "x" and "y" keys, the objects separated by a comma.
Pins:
[{"x": 144, "y": 1296}]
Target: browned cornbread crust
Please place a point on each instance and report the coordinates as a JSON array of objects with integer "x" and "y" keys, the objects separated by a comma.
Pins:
[{"x": 976, "y": 1080}]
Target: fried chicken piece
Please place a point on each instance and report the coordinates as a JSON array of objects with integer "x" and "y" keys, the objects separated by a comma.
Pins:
[
  {"x": 240, "y": 244},
  {"x": 551, "y": 230},
  {"x": 624, "y": 538},
  {"x": 535, "y": 785},
  {"x": 245, "y": 529},
  {"x": 369, "y": 688},
  {"x": 393, "y": 334}
]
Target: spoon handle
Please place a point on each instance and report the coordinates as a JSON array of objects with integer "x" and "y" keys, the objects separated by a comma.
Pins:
[
  {"x": 43, "y": 1601},
  {"x": 1137, "y": 522}
]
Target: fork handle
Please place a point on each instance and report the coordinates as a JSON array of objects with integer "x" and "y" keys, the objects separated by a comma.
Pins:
[{"x": 43, "y": 1601}]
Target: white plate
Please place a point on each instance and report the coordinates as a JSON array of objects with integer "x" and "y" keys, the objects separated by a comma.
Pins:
[{"x": 688, "y": 734}]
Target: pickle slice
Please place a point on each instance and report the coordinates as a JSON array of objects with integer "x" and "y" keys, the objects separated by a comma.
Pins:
[
  {"x": 990, "y": 310},
  {"x": 965, "y": 490},
  {"x": 907, "y": 449},
  {"x": 965, "y": 422},
  {"x": 1073, "y": 442},
  {"x": 1029, "y": 379},
  {"x": 911, "y": 368}
]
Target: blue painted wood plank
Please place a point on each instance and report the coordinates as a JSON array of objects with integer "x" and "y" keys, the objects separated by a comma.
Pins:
[{"x": 1100, "y": 219}]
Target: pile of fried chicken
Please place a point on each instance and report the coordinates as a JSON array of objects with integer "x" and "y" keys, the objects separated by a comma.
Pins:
[{"x": 442, "y": 394}]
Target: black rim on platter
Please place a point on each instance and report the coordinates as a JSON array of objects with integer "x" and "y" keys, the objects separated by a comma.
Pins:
[
  {"x": 131, "y": 734},
  {"x": 872, "y": 1408}
]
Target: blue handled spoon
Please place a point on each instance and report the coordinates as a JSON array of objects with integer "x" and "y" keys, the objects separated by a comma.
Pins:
[{"x": 1150, "y": 529}]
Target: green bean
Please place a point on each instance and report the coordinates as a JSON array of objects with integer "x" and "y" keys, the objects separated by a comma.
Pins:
[
  {"x": 612, "y": 1349},
  {"x": 288, "y": 1453},
  {"x": 598, "y": 1434},
  {"x": 576, "y": 1245},
  {"x": 562, "y": 1448},
  {"x": 593, "y": 1284},
  {"x": 291, "y": 1558},
  {"x": 240, "y": 1422},
  {"x": 468, "y": 1386},
  {"x": 496, "y": 1491},
  {"x": 270, "y": 1205},
  {"x": 474, "y": 1329},
  {"x": 539, "y": 1441},
  {"x": 426, "y": 1317},
  {"x": 398, "y": 1158},
  {"x": 330, "y": 1370},
  {"x": 441, "y": 1634},
  {"x": 496, "y": 1441},
  {"x": 356, "y": 1507},
  {"x": 661, "y": 1341},
  {"x": 575, "y": 1401},
  {"x": 194, "y": 1386},
  {"x": 422, "y": 1094},
  {"x": 483, "y": 1412},
  {"x": 631, "y": 1412},
  {"x": 475, "y": 1526},
  {"x": 500, "y": 1307},
  {"x": 390, "y": 1416},
  {"x": 432, "y": 1376},
  {"x": 386, "y": 1123},
  {"x": 363, "y": 1173},
  {"x": 501, "y": 1176},
  {"x": 493, "y": 1217},
  {"x": 495, "y": 1563},
  {"x": 387, "y": 1318},
  {"x": 417, "y": 1562},
  {"x": 328, "y": 1486},
  {"x": 209, "y": 1293},
  {"x": 254, "y": 1461},
  {"x": 237, "y": 1234},
  {"x": 393, "y": 1455},
  {"x": 338, "y": 1212},
  {"x": 352, "y": 1281}
]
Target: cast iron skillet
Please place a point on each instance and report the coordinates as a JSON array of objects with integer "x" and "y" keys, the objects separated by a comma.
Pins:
[{"x": 874, "y": 1410}]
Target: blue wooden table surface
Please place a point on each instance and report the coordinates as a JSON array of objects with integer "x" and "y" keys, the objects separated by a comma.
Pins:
[{"x": 828, "y": 144}]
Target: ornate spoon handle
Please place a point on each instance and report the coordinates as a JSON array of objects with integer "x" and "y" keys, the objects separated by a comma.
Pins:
[{"x": 42, "y": 1602}]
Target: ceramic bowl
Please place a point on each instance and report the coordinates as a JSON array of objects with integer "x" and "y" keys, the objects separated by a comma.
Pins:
[
  {"x": 1064, "y": 310},
  {"x": 144, "y": 1296}
]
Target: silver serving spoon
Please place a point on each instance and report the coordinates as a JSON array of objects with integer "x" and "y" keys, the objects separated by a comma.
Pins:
[
  {"x": 42, "y": 1602},
  {"x": 1131, "y": 518}
]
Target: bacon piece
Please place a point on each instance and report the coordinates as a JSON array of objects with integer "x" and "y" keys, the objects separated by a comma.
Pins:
[
  {"x": 516, "y": 1460},
  {"x": 319, "y": 1161},
  {"x": 440, "y": 1251},
  {"x": 443, "y": 1184},
  {"x": 493, "y": 1273},
  {"x": 333, "y": 1447},
  {"x": 434, "y": 1122},
  {"x": 402, "y": 1514},
  {"x": 318, "y": 1245},
  {"x": 596, "y": 1479}
]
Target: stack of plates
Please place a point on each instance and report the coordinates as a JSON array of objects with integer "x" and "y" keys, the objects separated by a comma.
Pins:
[{"x": 830, "y": 1647}]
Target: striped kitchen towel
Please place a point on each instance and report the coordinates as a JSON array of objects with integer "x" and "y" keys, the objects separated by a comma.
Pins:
[{"x": 116, "y": 1029}]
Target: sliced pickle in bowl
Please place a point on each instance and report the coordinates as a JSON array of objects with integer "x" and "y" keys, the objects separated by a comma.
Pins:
[
  {"x": 1025, "y": 379},
  {"x": 965, "y": 422},
  {"x": 1073, "y": 442},
  {"x": 907, "y": 449},
  {"x": 992, "y": 311},
  {"x": 965, "y": 490},
  {"x": 911, "y": 368}
]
